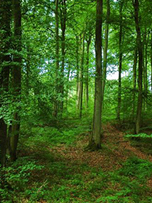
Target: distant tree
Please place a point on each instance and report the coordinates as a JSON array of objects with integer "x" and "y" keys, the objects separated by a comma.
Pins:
[
  {"x": 63, "y": 15},
  {"x": 88, "y": 39},
  {"x": 134, "y": 79},
  {"x": 120, "y": 59},
  {"x": 105, "y": 51},
  {"x": 81, "y": 74},
  {"x": 56, "y": 103},
  {"x": 16, "y": 78},
  {"x": 151, "y": 60}
]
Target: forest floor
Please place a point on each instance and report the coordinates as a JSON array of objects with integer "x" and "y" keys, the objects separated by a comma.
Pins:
[
  {"x": 115, "y": 150},
  {"x": 120, "y": 172}
]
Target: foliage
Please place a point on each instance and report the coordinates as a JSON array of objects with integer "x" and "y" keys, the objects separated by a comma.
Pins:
[
  {"x": 130, "y": 182},
  {"x": 138, "y": 168},
  {"x": 140, "y": 135},
  {"x": 17, "y": 179},
  {"x": 43, "y": 136}
]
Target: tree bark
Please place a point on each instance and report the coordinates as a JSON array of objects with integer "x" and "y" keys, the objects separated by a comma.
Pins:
[
  {"x": 134, "y": 81},
  {"x": 56, "y": 103},
  {"x": 16, "y": 78},
  {"x": 87, "y": 72},
  {"x": 95, "y": 139},
  {"x": 67, "y": 88},
  {"x": 77, "y": 64},
  {"x": 139, "y": 47},
  {"x": 105, "y": 50},
  {"x": 145, "y": 49},
  {"x": 27, "y": 71},
  {"x": 151, "y": 62},
  {"x": 63, "y": 28},
  {"x": 5, "y": 20},
  {"x": 80, "y": 83},
  {"x": 120, "y": 63}
]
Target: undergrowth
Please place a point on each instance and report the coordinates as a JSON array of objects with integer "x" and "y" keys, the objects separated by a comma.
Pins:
[
  {"x": 140, "y": 135},
  {"x": 40, "y": 175}
]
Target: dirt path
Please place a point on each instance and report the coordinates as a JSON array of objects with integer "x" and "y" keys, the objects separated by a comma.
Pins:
[
  {"x": 123, "y": 147},
  {"x": 114, "y": 152}
]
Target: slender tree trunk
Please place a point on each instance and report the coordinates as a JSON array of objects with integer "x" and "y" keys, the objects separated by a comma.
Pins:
[
  {"x": 79, "y": 72},
  {"x": 134, "y": 81},
  {"x": 151, "y": 62},
  {"x": 67, "y": 88},
  {"x": 56, "y": 103},
  {"x": 77, "y": 63},
  {"x": 63, "y": 28},
  {"x": 120, "y": 63},
  {"x": 87, "y": 72},
  {"x": 27, "y": 71},
  {"x": 5, "y": 20},
  {"x": 145, "y": 46},
  {"x": 95, "y": 139},
  {"x": 16, "y": 78},
  {"x": 80, "y": 86},
  {"x": 139, "y": 46},
  {"x": 105, "y": 49}
]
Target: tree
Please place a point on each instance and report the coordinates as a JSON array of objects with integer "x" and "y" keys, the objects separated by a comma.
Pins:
[
  {"x": 105, "y": 47},
  {"x": 95, "y": 139},
  {"x": 5, "y": 19},
  {"x": 90, "y": 23},
  {"x": 139, "y": 48},
  {"x": 120, "y": 61},
  {"x": 56, "y": 103},
  {"x": 81, "y": 74},
  {"x": 63, "y": 28},
  {"x": 87, "y": 69},
  {"x": 151, "y": 61},
  {"x": 16, "y": 78},
  {"x": 145, "y": 63},
  {"x": 134, "y": 78}
]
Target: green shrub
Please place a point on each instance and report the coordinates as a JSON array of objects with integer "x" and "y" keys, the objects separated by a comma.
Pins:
[
  {"x": 17, "y": 177},
  {"x": 140, "y": 135},
  {"x": 138, "y": 168}
]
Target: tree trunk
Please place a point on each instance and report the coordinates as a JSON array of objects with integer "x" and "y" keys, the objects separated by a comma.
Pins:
[
  {"x": 79, "y": 72},
  {"x": 27, "y": 71},
  {"x": 80, "y": 83},
  {"x": 16, "y": 78},
  {"x": 145, "y": 47},
  {"x": 105, "y": 50},
  {"x": 95, "y": 139},
  {"x": 139, "y": 47},
  {"x": 56, "y": 103},
  {"x": 151, "y": 62},
  {"x": 120, "y": 63},
  {"x": 67, "y": 88},
  {"x": 134, "y": 81},
  {"x": 77, "y": 64},
  {"x": 5, "y": 20},
  {"x": 87, "y": 72},
  {"x": 63, "y": 28}
]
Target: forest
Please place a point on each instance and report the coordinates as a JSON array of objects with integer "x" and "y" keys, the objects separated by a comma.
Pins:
[{"x": 75, "y": 101}]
